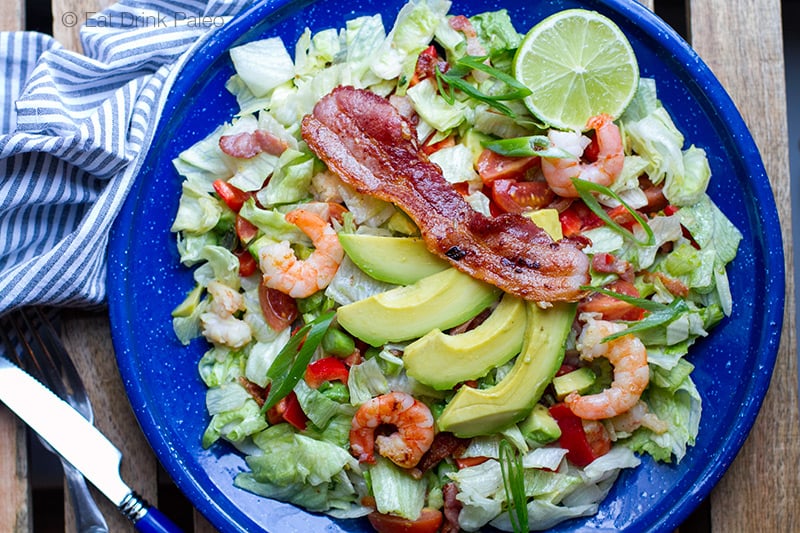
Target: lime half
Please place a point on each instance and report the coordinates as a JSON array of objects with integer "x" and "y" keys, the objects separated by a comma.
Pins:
[{"x": 578, "y": 64}]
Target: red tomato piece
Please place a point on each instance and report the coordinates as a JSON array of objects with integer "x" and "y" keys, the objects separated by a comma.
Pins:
[
  {"x": 427, "y": 62},
  {"x": 519, "y": 196},
  {"x": 466, "y": 462},
  {"x": 447, "y": 142},
  {"x": 326, "y": 369},
  {"x": 245, "y": 230},
  {"x": 578, "y": 218},
  {"x": 493, "y": 166},
  {"x": 613, "y": 308},
  {"x": 279, "y": 309},
  {"x": 429, "y": 521},
  {"x": 232, "y": 196},
  {"x": 247, "y": 264},
  {"x": 622, "y": 216}
]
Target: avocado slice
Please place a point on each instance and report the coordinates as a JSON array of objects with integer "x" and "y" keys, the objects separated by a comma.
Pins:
[
  {"x": 441, "y": 300},
  {"x": 540, "y": 426},
  {"x": 576, "y": 381},
  {"x": 442, "y": 360},
  {"x": 398, "y": 260},
  {"x": 474, "y": 412}
]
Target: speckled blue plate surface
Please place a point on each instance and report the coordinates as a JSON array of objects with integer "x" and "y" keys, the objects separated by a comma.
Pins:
[{"x": 146, "y": 281}]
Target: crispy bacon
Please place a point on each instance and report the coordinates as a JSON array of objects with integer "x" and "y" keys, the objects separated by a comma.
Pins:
[
  {"x": 371, "y": 147},
  {"x": 452, "y": 508},
  {"x": 249, "y": 144}
]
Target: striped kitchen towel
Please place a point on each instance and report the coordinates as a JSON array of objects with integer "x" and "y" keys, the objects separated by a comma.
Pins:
[{"x": 73, "y": 128}]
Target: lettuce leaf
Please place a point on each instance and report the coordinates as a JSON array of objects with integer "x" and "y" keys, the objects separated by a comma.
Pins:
[
  {"x": 396, "y": 491},
  {"x": 263, "y": 64}
]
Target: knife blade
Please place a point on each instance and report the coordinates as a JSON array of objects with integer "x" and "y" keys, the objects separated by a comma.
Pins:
[{"x": 79, "y": 442}]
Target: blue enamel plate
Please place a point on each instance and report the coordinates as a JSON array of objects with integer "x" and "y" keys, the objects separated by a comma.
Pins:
[{"x": 146, "y": 281}]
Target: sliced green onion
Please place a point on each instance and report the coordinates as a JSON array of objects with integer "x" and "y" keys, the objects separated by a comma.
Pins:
[
  {"x": 453, "y": 78},
  {"x": 585, "y": 190},
  {"x": 291, "y": 362},
  {"x": 659, "y": 313},
  {"x": 526, "y": 146},
  {"x": 514, "y": 485}
]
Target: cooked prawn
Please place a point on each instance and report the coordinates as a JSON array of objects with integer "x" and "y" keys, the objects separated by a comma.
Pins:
[
  {"x": 604, "y": 170},
  {"x": 638, "y": 416},
  {"x": 411, "y": 419},
  {"x": 219, "y": 325},
  {"x": 631, "y": 374},
  {"x": 299, "y": 279}
]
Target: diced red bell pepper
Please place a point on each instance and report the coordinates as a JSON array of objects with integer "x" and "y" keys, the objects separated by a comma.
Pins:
[
  {"x": 288, "y": 409},
  {"x": 326, "y": 369},
  {"x": 573, "y": 437},
  {"x": 232, "y": 196}
]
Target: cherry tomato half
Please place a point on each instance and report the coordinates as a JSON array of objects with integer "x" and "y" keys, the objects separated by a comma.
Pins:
[
  {"x": 514, "y": 196},
  {"x": 279, "y": 309},
  {"x": 612, "y": 308},
  {"x": 493, "y": 166}
]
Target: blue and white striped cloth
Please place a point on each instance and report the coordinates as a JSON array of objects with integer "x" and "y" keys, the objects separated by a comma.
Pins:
[{"x": 73, "y": 130}]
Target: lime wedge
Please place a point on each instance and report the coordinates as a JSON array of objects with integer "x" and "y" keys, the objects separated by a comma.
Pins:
[{"x": 578, "y": 64}]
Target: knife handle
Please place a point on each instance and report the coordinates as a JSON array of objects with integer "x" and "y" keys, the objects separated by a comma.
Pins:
[{"x": 145, "y": 518}]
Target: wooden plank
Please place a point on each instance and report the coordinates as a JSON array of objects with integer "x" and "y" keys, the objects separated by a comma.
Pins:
[
  {"x": 12, "y": 16},
  {"x": 15, "y": 512},
  {"x": 761, "y": 490},
  {"x": 87, "y": 336},
  {"x": 69, "y": 15}
]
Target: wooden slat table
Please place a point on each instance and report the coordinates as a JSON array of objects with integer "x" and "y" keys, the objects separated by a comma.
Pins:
[{"x": 760, "y": 491}]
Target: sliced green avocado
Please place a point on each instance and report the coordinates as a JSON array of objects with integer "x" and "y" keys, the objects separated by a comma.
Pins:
[
  {"x": 442, "y": 360},
  {"x": 474, "y": 412},
  {"x": 441, "y": 300},
  {"x": 398, "y": 260},
  {"x": 540, "y": 426},
  {"x": 576, "y": 381}
]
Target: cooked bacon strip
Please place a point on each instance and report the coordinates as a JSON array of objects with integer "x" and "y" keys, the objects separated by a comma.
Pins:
[
  {"x": 452, "y": 508},
  {"x": 371, "y": 147},
  {"x": 249, "y": 144}
]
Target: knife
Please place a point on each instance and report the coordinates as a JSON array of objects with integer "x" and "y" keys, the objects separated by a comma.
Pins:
[{"x": 79, "y": 442}]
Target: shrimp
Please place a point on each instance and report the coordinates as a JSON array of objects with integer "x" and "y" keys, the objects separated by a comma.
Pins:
[
  {"x": 300, "y": 279},
  {"x": 413, "y": 435},
  {"x": 631, "y": 374},
  {"x": 219, "y": 325},
  {"x": 604, "y": 170},
  {"x": 638, "y": 416}
]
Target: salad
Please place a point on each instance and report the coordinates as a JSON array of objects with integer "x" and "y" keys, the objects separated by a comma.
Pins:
[{"x": 448, "y": 312}]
